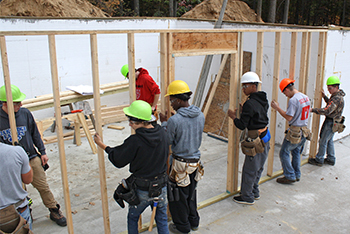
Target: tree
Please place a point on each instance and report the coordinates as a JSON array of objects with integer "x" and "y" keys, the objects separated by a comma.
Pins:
[{"x": 272, "y": 11}]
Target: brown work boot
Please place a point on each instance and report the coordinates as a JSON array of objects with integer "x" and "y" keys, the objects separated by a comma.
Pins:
[
  {"x": 284, "y": 180},
  {"x": 57, "y": 216}
]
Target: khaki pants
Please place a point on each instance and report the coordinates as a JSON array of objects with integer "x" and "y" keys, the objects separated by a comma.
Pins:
[{"x": 40, "y": 183}]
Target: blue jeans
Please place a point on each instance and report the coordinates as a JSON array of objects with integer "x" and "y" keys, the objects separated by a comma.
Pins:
[
  {"x": 145, "y": 201},
  {"x": 291, "y": 168},
  {"x": 26, "y": 215},
  {"x": 325, "y": 144}
]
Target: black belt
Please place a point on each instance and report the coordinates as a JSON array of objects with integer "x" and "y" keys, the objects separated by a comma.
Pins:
[
  {"x": 186, "y": 160},
  {"x": 145, "y": 183}
]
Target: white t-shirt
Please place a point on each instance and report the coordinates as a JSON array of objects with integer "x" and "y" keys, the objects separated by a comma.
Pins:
[
  {"x": 14, "y": 162},
  {"x": 299, "y": 108}
]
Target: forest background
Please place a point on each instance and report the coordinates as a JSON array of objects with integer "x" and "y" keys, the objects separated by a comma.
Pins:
[{"x": 300, "y": 12}]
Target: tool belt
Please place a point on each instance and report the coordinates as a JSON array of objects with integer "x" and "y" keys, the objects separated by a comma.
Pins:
[
  {"x": 181, "y": 169},
  {"x": 126, "y": 190},
  {"x": 294, "y": 134},
  {"x": 251, "y": 143},
  {"x": 12, "y": 222},
  {"x": 338, "y": 124}
]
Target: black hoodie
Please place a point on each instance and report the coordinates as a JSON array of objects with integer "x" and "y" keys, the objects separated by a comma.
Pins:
[
  {"x": 146, "y": 151},
  {"x": 254, "y": 112}
]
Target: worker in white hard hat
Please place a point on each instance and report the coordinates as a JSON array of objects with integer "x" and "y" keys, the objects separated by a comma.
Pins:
[{"x": 255, "y": 145}]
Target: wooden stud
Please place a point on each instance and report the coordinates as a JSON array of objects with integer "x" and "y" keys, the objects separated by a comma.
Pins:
[
  {"x": 131, "y": 62},
  {"x": 307, "y": 63},
  {"x": 98, "y": 122},
  {"x": 293, "y": 54},
  {"x": 303, "y": 59},
  {"x": 200, "y": 53},
  {"x": 83, "y": 123},
  {"x": 275, "y": 83},
  {"x": 77, "y": 132},
  {"x": 163, "y": 70},
  {"x": 217, "y": 79},
  {"x": 55, "y": 91},
  {"x": 259, "y": 55},
  {"x": 318, "y": 97},
  {"x": 7, "y": 82},
  {"x": 239, "y": 99}
]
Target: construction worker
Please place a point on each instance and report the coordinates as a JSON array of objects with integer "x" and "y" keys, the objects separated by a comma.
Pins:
[
  {"x": 255, "y": 119},
  {"x": 297, "y": 115},
  {"x": 146, "y": 89},
  {"x": 30, "y": 139},
  {"x": 146, "y": 151},
  {"x": 184, "y": 130},
  {"x": 15, "y": 169},
  {"x": 333, "y": 112}
]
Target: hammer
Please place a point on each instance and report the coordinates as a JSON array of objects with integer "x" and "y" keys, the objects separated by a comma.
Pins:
[{"x": 155, "y": 203}]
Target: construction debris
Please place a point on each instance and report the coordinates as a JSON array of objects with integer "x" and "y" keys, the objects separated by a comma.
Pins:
[
  {"x": 50, "y": 8},
  {"x": 235, "y": 11}
]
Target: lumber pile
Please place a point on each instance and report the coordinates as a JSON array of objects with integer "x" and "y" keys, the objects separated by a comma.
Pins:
[{"x": 67, "y": 97}]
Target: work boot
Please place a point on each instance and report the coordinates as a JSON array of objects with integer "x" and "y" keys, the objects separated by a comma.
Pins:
[
  {"x": 173, "y": 229},
  {"x": 327, "y": 161},
  {"x": 313, "y": 161},
  {"x": 284, "y": 180},
  {"x": 240, "y": 200},
  {"x": 57, "y": 216}
]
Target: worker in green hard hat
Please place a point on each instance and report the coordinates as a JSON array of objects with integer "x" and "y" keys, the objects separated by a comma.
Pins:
[
  {"x": 147, "y": 152},
  {"x": 334, "y": 122},
  {"x": 30, "y": 140},
  {"x": 146, "y": 89}
]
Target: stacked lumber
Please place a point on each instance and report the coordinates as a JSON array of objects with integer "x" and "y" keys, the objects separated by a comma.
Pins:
[{"x": 67, "y": 97}]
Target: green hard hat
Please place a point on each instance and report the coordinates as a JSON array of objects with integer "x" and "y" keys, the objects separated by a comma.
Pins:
[
  {"x": 139, "y": 109},
  {"x": 17, "y": 95},
  {"x": 125, "y": 70},
  {"x": 333, "y": 80}
]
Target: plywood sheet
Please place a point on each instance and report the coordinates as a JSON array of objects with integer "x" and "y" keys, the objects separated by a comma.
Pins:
[{"x": 183, "y": 42}]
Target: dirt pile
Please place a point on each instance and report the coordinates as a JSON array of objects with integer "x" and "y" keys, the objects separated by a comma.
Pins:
[
  {"x": 50, "y": 8},
  {"x": 235, "y": 11}
]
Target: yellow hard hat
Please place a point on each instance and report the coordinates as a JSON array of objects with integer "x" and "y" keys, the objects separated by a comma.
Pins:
[{"x": 177, "y": 87}]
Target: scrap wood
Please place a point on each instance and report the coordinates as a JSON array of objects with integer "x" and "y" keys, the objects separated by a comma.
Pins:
[
  {"x": 68, "y": 137},
  {"x": 116, "y": 127},
  {"x": 66, "y": 97}
]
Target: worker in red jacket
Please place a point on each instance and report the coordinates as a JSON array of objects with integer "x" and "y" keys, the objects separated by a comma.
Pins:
[{"x": 146, "y": 89}]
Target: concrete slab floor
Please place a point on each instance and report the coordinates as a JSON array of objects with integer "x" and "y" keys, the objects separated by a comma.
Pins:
[{"x": 316, "y": 204}]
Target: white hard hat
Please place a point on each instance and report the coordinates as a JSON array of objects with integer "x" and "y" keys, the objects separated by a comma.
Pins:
[{"x": 250, "y": 77}]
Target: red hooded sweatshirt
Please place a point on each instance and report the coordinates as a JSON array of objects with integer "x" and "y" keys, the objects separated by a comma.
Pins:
[{"x": 146, "y": 88}]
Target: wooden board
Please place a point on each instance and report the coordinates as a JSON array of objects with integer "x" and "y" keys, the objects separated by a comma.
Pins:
[
  {"x": 203, "y": 41},
  {"x": 216, "y": 120}
]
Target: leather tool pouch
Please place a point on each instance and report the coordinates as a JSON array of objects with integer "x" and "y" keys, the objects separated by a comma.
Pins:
[
  {"x": 252, "y": 145},
  {"x": 12, "y": 222},
  {"x": 294, "y": 135},
  {"x": 338, "y": 124},
  {"x": 128, "y": 194},
  {"x": 307, "y": 133}
]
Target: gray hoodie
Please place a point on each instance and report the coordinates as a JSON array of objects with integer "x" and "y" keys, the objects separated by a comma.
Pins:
[{"x": 184, "y": 130}]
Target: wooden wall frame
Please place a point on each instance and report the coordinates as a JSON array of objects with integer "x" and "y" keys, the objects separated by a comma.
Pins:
[{"x": 176, "y": 43}]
